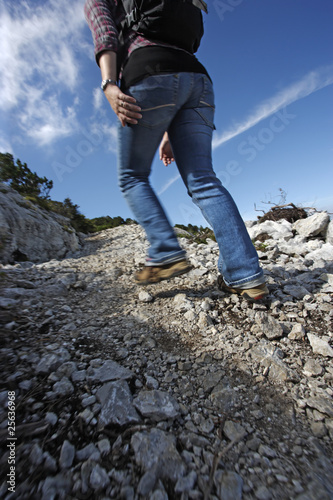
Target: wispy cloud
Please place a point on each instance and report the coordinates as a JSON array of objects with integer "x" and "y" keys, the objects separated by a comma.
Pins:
[
  {"x": 40, "y": 49},
  {"x": 98, "y": 99},
  {"x": 100, "y": 123},
  {"x": 310, "y": 83},
  {"x": 110, "y": 132},
  {"x": 5, "y": 146},
  {"x": 168, "y": 184}
]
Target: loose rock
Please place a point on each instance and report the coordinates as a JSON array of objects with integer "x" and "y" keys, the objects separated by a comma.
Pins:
[{"x": 191, "y": 393}]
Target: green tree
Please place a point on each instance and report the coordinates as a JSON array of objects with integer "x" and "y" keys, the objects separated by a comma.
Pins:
[
  {"x": 78, "y": 220},
  {"x": 107, "y": 222},
  {"x": 29, "y": 184},
  {"x": 19, "y": 177}
]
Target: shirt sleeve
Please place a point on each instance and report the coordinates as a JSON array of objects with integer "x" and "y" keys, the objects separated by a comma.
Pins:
[{"x": 100, "y": 16}]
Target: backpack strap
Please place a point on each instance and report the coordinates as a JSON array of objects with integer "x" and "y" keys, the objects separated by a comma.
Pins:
[
  {"x": 134, "y": 16},
  {"x": 200, "y": 4}
]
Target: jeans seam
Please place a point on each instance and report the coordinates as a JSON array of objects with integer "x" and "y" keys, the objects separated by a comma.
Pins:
[
  {"x": 207, "y": 122},
  {"x": 175, "y": 87},
  {"x": 204, "y": 87},
  {"x": 207, "y": 104},
  {"x": 158, "y": 107}
]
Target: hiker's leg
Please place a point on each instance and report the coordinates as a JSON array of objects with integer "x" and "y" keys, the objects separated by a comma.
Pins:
[
  {"x": 190, "y": 134},
  {"x": 137, "y": 145}
]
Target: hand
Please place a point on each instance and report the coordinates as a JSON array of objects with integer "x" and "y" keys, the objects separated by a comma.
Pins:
[
  {"x": 165, "y": 150},
  {"x": 123, "y": 105}
]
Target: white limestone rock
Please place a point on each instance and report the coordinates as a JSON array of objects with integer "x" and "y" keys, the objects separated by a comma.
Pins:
[
  {"x": 324, "y": 253},
  {"x": 320, "y": 346},
  {"x": 27, "y": 232},
  {"x": 329, "y": 233},
  {"x": 275, "y": 230},
  {"x": 312, "y": 226}
]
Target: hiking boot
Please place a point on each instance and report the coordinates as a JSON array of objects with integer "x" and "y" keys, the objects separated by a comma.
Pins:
[
  {"x": 250, "y": 294},
  {"x": 155, "y": 274}
]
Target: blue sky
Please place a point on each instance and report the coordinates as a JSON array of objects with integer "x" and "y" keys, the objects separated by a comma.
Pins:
[{"x": 272, "y": 67}]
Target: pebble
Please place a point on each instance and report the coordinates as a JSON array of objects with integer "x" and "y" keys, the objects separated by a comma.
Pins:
[
  {"x": 320, "y": 346},
  {"x": 312, "y": 368},
  {"x": 67, "y": 455},
  {"x": 99, "y": 478},
  {"x": 117, "y": 405},
  {"x": 157, "y": 405},
  {"x": 64, "y": 387},
  {"x": 88, "y": 452},
  {"x": 152, "y": 392},
  {"x": 104, "y": 446},
  {"x": 229, "y": 485}
]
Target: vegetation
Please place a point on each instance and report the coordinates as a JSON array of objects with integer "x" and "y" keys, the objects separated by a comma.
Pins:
[
  {"x": 19, "y": 177},
  {"x": 197, "y": 234},
  {"x": 288, "y": 212},
  {"x": 107, "y": 222},
  {"x": 282, "y": 210},
  {"x": 36, "y": 189}
]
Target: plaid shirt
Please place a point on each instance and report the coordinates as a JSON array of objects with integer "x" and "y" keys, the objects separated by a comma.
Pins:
[{"x": 103, "y": 17}]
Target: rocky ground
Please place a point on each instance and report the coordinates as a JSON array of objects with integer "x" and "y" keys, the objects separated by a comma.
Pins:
[{"x": 170, "y": 391}]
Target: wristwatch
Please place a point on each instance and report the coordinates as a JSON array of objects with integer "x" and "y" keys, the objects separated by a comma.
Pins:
[{"x": 105, "y": 83}]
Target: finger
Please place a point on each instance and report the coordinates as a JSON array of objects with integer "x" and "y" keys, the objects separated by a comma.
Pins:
[
  {"x": 125, "y": 103},
  {"x": 130, "y": 115},
  {"x": 127, "y": 98},
  {"x": 130, "y": 110},
  {"x": 126, "y": 118}
]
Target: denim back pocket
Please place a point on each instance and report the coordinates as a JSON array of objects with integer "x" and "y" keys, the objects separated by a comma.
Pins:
[{"x": 156, "y": 95}]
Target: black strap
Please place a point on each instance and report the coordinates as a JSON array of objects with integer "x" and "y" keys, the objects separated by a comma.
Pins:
[
  {"x": 200, "y": 4},
  {"x": 134, "y": 16}
]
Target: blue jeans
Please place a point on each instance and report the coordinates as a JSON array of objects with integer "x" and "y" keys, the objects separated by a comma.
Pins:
[{"x": 183, "y": 105}]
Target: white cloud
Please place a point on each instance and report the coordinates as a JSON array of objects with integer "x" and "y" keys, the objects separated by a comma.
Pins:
[
  {"x": 168, "y": 184},
  {"x": 47, "y": 121},
  {"x": 40, "y": 48},
  {"x": 5, "y": 146},
  {"x": 110, "y": 132},
  {"x": 98, "y": 99},
  {"x": 310, "y": 83}
]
